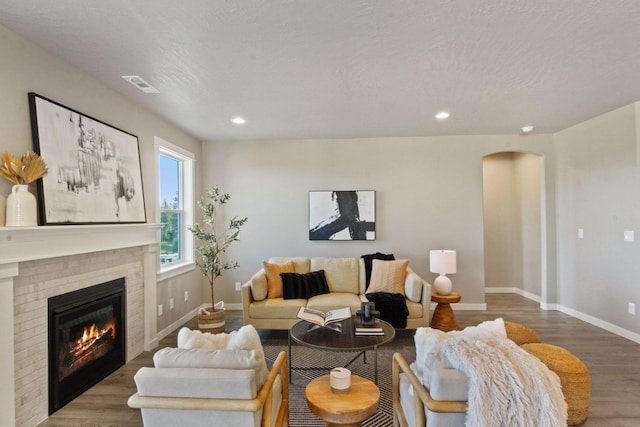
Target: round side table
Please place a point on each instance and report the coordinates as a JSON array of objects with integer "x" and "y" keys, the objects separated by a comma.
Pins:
[
  {"x": 443, "y": 317},
  {"x": 346, "y": 408}
]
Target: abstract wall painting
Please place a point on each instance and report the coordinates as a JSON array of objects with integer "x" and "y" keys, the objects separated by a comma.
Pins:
[
  {"x": 94, "y": 174},
  {"x": 342, "y": 215}
]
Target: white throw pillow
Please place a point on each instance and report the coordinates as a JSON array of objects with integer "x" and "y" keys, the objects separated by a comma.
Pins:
[
  {"x": 259, "y": 287},
  {"x": 413, "y": 286},
  {"x": 245, "y": 338}
]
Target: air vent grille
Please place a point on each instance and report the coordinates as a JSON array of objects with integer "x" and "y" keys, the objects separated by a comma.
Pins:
[{"x": 141, "y": 84}]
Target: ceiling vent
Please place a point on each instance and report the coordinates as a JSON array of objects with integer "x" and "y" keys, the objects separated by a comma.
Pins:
[{"x": 141, "y": 84}]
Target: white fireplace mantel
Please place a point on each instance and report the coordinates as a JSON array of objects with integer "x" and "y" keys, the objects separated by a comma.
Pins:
[{"x": 21, "y": 244}]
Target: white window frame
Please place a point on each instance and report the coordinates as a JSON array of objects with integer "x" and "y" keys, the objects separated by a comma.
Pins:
[{"x": 162, "y": 147}]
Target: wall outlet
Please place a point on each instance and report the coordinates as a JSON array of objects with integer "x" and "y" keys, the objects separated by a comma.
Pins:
[
  {"x": 580, "y": 233},
  {"x": 159, "y": 309},
  {"x": 186, "y": 295},
  {"x": 238, "y": 284},
  {"x": 629, "y": 236},
  {"x": 632, "y": 308},
  {"x": 172, "y": 303}
]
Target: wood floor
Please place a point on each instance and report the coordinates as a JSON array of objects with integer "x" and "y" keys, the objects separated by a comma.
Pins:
[{"x": 613, "y": 362}]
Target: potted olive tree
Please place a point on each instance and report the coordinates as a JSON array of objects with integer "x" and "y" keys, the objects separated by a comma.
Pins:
[{"x": 210, "y": 252}]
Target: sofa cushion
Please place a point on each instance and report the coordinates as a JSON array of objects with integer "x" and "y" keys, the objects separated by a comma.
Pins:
[
  {"x": 245, "y": 338},
  {"x": 413, "y": 286},
  {"x": 335, "y": 300},
  {"x": 274, "y": 281},
  {"x": 300, "y": 264},
  {"x": 368, "y": 264},
  {"x": 415, "y": 309},
  {"x": 196, "y": 383},
  {"x": 388, "y": 276},
  {"x": 342, "y": 273},
  {"x": 276, "y": 308},
  {"x": 259, "y": 287},
  {"x": 170, "y": 357},
  {"x": 295, "y": 285}
]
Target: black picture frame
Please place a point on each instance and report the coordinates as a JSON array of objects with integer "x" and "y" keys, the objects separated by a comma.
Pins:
[
  {"x": 342, "y": 215},
  {"x": 95, "y": 174}
]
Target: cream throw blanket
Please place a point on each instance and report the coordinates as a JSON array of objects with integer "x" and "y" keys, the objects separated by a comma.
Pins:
[{"x": 507, "y": 386}]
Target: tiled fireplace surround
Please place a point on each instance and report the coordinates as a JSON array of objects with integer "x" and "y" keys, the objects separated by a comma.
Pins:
[{"x": 37, "y": 263}]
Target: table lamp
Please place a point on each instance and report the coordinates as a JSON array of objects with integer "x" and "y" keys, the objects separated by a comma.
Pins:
[{"x": 442, "y": 262}]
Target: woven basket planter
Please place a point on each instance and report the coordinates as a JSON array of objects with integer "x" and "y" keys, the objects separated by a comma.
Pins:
[{"x": 213, "y": 323}]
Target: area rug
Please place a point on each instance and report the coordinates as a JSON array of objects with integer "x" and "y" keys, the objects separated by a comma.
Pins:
[{"x": 299, "y": 414}]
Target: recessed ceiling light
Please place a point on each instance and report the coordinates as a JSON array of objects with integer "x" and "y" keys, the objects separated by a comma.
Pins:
[
  {"x": 527, "y": 129},
  {"x": 442, "y": 115},
  {"x": 238, "y": 120}
]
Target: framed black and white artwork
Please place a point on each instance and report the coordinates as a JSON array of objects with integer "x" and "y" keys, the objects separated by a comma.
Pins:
[
  {"x": 342, "y": 215},
  {"x": 94, "y": 169}
]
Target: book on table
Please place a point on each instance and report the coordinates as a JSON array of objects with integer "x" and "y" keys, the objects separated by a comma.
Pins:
[
  {"x": 375, "y": 329},
  {"x": 323, "y": 319}
]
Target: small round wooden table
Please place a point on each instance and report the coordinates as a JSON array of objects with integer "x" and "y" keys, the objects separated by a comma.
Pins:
[
  {"x": 348, "y": 408},
  {"x": 443, "y": 317}
]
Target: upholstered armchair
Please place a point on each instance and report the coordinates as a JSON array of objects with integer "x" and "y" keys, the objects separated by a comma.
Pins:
[
  {"x": 213, "y": 380},
  {"x": 212, "y": 397},
  {"x": 478, "y": 372}
]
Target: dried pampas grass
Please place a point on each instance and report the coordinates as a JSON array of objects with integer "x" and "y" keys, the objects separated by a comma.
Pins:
[{"x": 24, "y": 170}]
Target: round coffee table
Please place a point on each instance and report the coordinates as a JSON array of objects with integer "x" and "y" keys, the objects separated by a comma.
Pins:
[
  {"x": 345, "y": 408},
  {"x": 328, "y": 339}
]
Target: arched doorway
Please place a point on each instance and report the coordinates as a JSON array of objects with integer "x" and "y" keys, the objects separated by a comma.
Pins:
[{"x": 514, "y": 245}]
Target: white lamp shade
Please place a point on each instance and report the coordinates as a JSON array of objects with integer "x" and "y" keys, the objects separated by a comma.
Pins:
[{"x": 442, "y": 261}]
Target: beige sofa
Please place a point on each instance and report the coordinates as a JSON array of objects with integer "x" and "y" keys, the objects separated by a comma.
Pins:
[{"x": 346, "y": 282}]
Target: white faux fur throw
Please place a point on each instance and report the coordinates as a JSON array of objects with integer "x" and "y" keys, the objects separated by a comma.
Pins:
[{"x": 507, "y": 386}]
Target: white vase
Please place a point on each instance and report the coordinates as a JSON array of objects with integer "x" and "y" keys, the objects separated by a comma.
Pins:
[
  {"x": 3, "y": 209},
  {"x": 22, "y": 209}
]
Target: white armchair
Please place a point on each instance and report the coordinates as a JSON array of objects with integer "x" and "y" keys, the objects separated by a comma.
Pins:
[
  {"x": 213, "y": 380},
  {"x": 197, "y": 396},
  {"x": 478, "y": 373}
]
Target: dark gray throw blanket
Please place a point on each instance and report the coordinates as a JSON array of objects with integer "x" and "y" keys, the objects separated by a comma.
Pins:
[{"x": 392, "y": 307}]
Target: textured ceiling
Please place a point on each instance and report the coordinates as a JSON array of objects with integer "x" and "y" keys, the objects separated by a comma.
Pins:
[{"x": 350, "y": 68}]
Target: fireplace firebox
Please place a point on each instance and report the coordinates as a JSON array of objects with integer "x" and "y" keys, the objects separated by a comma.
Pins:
[{"x": 86, "y": 339}]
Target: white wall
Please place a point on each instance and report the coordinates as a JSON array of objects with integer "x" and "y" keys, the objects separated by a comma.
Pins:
[
  {"x": 512, "y": 226},
  {"x": 428, "y": 196},
  {"x": 598, "y": 191},
  {"x": 27, "y": 68}
]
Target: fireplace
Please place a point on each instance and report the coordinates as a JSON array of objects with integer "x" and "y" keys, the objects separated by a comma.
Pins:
[{"x": 86, "y": 339}]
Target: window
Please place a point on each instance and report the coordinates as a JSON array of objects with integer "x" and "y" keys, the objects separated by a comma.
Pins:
[{"x": 175, "y": 198}]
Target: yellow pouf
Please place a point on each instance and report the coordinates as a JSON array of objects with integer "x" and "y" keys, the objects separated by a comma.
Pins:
[
  {"x": 574, "y": 377},
  {"x": 520, "y": 334}
]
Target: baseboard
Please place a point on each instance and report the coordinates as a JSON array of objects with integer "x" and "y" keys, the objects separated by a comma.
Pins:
[
  {"x": 512, "y": 290},
  {"x": 601, "y": 324},
  {"x": 175, "y": 325},
  {"x": 625, "y": 333},
  {"x": 233, "y": 306},
  {"x": 181, "y": 321}
]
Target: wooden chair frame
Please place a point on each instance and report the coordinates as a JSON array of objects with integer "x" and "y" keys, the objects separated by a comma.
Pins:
[{"x": 421, "y": 397}]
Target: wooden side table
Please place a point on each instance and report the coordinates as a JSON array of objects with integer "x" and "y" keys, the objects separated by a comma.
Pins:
[
  {"x": 346, "y": 408},
  {"x": 443, "y": 317}
]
